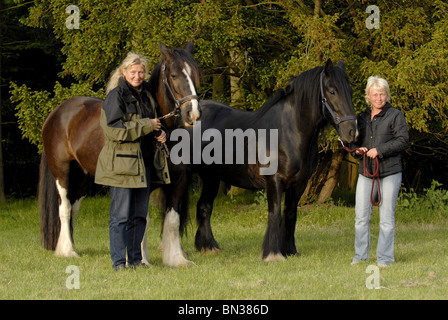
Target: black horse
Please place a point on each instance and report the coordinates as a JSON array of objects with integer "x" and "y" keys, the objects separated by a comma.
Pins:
[{"x": 280, "y": 150}]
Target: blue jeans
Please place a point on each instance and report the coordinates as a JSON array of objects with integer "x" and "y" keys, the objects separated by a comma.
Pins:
[
  {"x": 128, "y": 212},
  {"x": 390, "y": 188}
]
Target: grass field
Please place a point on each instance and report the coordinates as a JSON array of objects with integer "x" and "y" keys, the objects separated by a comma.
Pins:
[{"x": 324, "y": 237}]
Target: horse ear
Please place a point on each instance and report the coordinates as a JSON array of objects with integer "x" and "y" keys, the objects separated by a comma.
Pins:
[
  {"x": 328, "y": 67},
  {"x": 190, "y": 47},
  {"x": 166, "y": 53},
  {"x": 341, "y": 64}
]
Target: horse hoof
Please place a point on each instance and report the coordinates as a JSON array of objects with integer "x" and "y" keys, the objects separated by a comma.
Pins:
[
  {"x": 291, "y": 254},
  {"x": 180, "y": 262},
  {"x": 186, "y": 263},
  {"x": 146, "y": 262},
  {"x": 210, "y": 250},
  {"x": 69, "y": 254},
  {"x": 273, "y": 257}
]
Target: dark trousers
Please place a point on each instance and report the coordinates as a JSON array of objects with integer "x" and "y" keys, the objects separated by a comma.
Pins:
[{"x": 128, "y": 212}]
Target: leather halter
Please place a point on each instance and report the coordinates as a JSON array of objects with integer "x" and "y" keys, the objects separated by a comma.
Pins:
[
  {"x": 178, "y": 103},
  {"x": 325, "y": 105}
]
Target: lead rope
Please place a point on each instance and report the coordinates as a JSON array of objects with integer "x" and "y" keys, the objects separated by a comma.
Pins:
[{"x": 375, "y": 175}]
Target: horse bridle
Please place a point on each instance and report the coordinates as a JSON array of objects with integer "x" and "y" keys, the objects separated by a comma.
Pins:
[
  {"x": 325, "y": 105},
  {"x": 177, "y": 103}
]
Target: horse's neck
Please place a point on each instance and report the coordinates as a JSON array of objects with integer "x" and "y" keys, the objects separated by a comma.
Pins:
[
  {"x": 290, "y": 114},
  {"x": 308, "y": 105},
  {"x": 164, "y": 102}
]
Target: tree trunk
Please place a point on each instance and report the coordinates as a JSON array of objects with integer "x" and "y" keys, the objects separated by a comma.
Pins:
[
  {"x": 237, "y": 64},
  {"x": 317, "y": 180},
  {"x": 332, "y": 176},
  {"x": 2, "y": 181},
  {"x": 348, "y": 173},
  {"x": 317, "y": 7},
  {"x": 219, "y": 78}
]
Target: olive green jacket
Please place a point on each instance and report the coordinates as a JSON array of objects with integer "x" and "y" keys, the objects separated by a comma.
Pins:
[{"x": 120, "y": 163}]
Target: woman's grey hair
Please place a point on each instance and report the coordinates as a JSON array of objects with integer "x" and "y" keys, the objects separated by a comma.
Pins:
[{"x": 378, "y": 83}]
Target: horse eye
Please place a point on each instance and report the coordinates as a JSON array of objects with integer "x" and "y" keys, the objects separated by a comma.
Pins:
[
  {"x": 332, "y": 92},
  {"x": 174, "y": 76}
]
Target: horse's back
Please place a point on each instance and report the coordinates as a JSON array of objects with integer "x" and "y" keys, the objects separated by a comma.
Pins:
[
  {"x": 72, "y": 132},
  {"x": 217, "y": 115},
  {"x": 68, "y": 111},
  {"x": 220, "y": 116},
  {"x": 272, "y": 126}
]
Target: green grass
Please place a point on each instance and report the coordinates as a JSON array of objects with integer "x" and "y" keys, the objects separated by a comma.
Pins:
[{"x": 324, "y": 237}]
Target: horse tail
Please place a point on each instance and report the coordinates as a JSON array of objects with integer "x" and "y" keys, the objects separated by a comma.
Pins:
[{"x": 49, "y": 206}]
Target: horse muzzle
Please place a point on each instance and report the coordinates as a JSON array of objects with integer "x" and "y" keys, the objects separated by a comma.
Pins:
[
  {"x": 193, "y": 114},
  {"x": 348, "y": 131}
]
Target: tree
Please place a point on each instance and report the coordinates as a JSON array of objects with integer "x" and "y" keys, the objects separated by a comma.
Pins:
[
  {"x": 21, "y": 47},
  {"x": 247, "y": 49}
]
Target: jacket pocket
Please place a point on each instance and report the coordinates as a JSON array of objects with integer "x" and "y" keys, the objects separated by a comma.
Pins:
[{"x": 126, "y": 163}]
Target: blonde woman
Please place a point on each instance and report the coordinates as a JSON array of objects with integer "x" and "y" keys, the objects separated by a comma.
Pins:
[
  {"x": 383, "y": 134},
  {"x": 128, "y": 120}
]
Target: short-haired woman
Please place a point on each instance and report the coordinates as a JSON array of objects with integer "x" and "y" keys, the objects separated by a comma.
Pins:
[
  {"x": 383, "y": 134},
  {"x": 128, "y": 119}
]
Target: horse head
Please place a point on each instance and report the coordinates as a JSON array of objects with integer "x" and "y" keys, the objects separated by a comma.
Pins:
[
  {"x": 180, "y": 75},
  {"x": 337, "y": 101}
]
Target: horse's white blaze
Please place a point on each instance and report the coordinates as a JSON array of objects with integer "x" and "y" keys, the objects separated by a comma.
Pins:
[
  {"x": 64, "y": 247},
  {"x": 172, "y": 253},
  {"x": 194, "y": 103},
  {"x": 144, "y": 245}
]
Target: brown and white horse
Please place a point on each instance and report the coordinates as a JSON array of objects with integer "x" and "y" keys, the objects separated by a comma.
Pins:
[{"x": 73, "y": 139}]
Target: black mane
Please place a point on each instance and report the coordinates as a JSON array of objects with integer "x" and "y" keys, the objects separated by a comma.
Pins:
[
  {"x": 301, "y": 87},
  {"x": 304, "y": 90}
]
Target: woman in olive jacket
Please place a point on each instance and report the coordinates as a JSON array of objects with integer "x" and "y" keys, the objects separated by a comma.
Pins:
[
  {"x": 383, "y": 134},
  {"x": 128, "y": 119}
]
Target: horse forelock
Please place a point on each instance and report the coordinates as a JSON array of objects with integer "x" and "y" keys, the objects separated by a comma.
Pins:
[
  {"x": 340, "y": 77},
  {"x": 307, "y": 85},
  {"x": 340, "y": 80},
  {"x": 183, "y": 58},
  {"x": 187, "y": 59}
]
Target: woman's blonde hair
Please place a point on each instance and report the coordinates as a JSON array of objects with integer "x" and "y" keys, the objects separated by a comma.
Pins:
[
  {"x": 131, "y": 59},
  {"x": 378, "y": 83}
]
